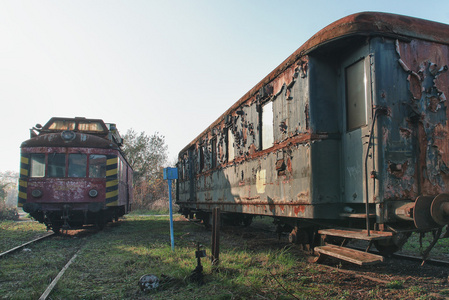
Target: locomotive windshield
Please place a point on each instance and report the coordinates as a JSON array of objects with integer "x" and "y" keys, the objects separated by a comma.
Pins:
[
  {"x": 78, "y": 165},
  {"x": 62, "y": 125},
  {"x": 76, "y": 124}
]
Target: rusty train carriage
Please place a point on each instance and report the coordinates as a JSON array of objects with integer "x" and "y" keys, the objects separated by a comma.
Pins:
[
  {"x": 73, "y": 173},
  {"x": 350, "y": 130}
]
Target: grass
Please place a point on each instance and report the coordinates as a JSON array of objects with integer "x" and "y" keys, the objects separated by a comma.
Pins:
[
  {"x": 13, "y": 233},
  {"x": 413, "y": 246},
  {"x": 146, "y": 212},
  {"x": 111, "y": 262}
]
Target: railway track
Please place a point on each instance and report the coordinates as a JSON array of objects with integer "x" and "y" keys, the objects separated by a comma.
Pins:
[
  {"x": 26, "y": 244},
  {"x": 71, "y": 257}
]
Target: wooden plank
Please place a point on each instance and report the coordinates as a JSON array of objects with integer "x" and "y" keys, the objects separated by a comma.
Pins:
[
  {"x": 354, "y": 256},
  {"x": 357, "y": 234}
]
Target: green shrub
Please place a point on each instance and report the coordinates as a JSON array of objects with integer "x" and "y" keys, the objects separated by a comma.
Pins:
[{"x": 8, "y": 212}]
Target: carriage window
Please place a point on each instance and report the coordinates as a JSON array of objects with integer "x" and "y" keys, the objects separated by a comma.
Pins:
[
  {"x": 97, "y": 166},
  {"x": 231, "y": 153},
  {"x": 62, "y": 125},
  {"x": 37, "y": 165},
  {"x": 77, "y": 165},
  {"x": 356, "y": 97},
  {"x": 267, "y": 126},
  {"x": 56, "y": 165}
]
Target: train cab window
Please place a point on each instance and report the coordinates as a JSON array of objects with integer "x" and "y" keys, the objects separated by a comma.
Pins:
[
  {"x": 77, "y": 165},
  {"x": 90, "y": 126},
  {"x": 97, "y": 166},
  {"x": 356, "y": 95},
  {"x": 231, "y": 150},
  {"x": 37, "y": 165},
  {"x": 267, "y": 126},
  {"x": 62, "y": 125},
  {"x": 56, "y": 165}
]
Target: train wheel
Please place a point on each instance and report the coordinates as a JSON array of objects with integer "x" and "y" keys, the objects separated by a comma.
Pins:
[
  {"x": 247, "y": 220},
  {"x": 386, "y": 248},
  {"x": 100, "y": 220}
]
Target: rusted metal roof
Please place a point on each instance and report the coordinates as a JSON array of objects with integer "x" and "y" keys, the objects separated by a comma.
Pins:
[{"x": 359, "y": 24}]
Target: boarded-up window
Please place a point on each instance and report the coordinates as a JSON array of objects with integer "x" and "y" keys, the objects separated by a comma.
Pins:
[
  {"x": 267, "y": 126},
  {"x": 356, "y": 95},
  {"x": 231, "y": 141},
  {"x": 214, "y": 153}
]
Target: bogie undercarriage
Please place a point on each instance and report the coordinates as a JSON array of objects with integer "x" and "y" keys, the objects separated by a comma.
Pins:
[{"x": 66, "y": 218}]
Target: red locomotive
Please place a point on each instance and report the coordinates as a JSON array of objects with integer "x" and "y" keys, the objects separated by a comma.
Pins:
[{"x": 73, "y": 172}]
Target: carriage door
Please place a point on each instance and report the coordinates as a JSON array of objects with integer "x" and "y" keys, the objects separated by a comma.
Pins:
[{"x": 356, "y": 126}]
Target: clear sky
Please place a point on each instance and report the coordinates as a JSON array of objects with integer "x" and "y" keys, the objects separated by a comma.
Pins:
[{"x": 168, "y": 66}]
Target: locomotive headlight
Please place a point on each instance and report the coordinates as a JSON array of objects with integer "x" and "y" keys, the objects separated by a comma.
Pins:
[
  {"x": 36, "y": 193},
  {"x": 93, "y": 193},
  {"x": 68, "y": 135}
]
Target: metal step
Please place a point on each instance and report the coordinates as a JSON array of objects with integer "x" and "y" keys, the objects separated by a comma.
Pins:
[
  {"x": 357, "y": 234},
  {"x": 351, "y": 255}
]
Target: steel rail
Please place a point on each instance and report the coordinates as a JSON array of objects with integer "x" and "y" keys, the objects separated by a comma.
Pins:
[{"x": 27, "y": 243}]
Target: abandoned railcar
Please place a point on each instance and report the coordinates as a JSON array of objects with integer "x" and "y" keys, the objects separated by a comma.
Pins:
[
  {"x": 73, "y": 173},
  {"x": 349, "y": 131}
]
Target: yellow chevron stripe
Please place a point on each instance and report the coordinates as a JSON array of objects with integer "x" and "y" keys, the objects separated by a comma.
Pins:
[
  {"x": 111, "y": 194},
  {"x": 115, "y": 203},
  {"x": 111, "y": 172},
  {"x": 111, "y": 161},
  {"x": 24, "y": 160},
  {"x": 22, "y": 195},
  {"x": 23, "y": 183},
  {"x": 24, "y": 172},
  {"x": 112, "y": 183}
]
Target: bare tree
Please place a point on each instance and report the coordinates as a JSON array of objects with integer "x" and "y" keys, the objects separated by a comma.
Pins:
[
  {"x": 146, "y": 155},
  {"x": 8, "y": 186},
  {"x": 8, "y": 195}
]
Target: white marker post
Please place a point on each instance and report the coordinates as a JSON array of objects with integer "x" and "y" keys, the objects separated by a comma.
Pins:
[{"x": 171, "y": 174}]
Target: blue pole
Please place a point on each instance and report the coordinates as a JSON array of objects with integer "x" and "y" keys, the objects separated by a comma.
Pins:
[
  {"x": 170, "y": 174},
  {"x": 172, "y": 238}
]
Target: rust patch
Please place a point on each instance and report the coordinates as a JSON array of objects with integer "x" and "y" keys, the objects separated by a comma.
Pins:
[
  {"x": 303, "y": 197},
  {"x": 299, "y": 209},
  {"x": 426, "y": 64},
  {"x": 289, "y": 165}
]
